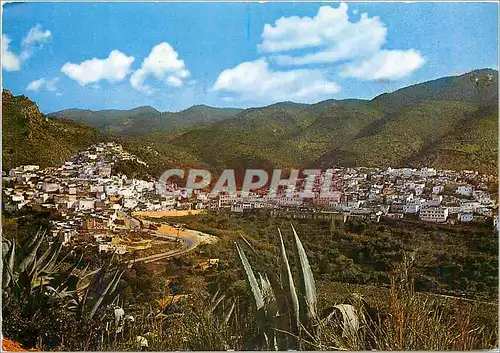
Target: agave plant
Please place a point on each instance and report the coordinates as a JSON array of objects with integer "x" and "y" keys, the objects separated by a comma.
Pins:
[
  {"x": 288, "y": 316},
  {"x": 35, "y": 277},
  {"x": 24, "y": 273}
]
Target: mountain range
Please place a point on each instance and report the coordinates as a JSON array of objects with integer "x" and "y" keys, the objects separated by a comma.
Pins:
[
  {"x": 145, "y": 120},
  {"x": 451, "y": 122}
]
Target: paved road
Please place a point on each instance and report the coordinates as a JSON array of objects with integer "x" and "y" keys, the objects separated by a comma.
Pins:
[{"x": 190, "y": 240}]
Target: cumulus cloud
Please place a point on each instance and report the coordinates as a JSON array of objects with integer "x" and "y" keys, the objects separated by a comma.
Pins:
[
  {"x": 112, "y": 69},
  {"x": 330, "y": 32},
  {"x": 385, "y": 65},
  {"x": 10, "y": 61},
  {"x": 33, "y": 41},
  {"x": 36, "y": 35},
  {"x": 331, "y": 37},
  {"x": 255, "y": 81},
  {"x": 163, "y": 63},
  {"x": 49, "y": 85}
]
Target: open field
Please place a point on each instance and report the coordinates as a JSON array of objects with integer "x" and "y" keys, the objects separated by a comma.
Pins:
[{"x": 166, "y": 214}]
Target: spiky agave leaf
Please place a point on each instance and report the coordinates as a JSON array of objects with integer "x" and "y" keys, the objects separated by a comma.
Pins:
[
  {"x": 350, "y": 319},
  {"x": 5, "y": 247},
  {"x": 110, "y": 288},
  {"x": 67, "y": 278},
  {"x": 34, "y": 239},
  {"x": 266, "y": 289},
  {"x": 259, "y": 301},
  {"x": 31, "y": 253},
  {"x": 52, "y": 260},
  {"x": 217, "y": 302},
  {"x": 290, "y": 283},
  {"x": 229, "y": 313},
  {"x": 214, "y": 298},
  {"x": 43, "y": 258},
  {"x": 8, "y": 266},
  {"x": 72, "y": 304},
  {"x": 308, "y": 287},
  {"x": 117, "y": 280}
]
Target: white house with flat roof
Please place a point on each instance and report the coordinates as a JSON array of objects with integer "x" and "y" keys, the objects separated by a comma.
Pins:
[{"x": 433, "y": 214}]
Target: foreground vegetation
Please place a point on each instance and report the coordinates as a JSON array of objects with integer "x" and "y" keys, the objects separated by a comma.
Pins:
[
  {"x": 455, "y": 261},
  {"x": 55, "y": 298}
]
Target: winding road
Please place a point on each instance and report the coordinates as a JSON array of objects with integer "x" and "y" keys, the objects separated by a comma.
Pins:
[{"x": 190, "y": 239}]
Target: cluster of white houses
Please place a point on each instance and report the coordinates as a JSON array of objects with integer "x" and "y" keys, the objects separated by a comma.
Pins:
[
  {"x": 88, "y": 195},
  {"x": 429, "y": 194},
  {"x": 84, "y": 192}
]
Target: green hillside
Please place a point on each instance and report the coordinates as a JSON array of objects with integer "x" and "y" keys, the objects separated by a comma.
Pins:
[
  {"x": 29, "y": 137},
  {"x": 146, "y": 120},
  {"x": 450, "y": 122},
  {"x": 440, "y": 123},
  {"x": 461, "y": 88},
  {"x": 158, "y": 152},
  {"x": 110, "y": 120},
  {"x": 405, "y": 133},
  {"x": 473, "y": 143}
]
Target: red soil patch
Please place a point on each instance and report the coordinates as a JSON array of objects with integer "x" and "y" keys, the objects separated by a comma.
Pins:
[{"x": 11, "y": 346}]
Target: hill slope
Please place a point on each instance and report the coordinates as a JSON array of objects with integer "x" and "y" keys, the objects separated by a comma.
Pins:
[
  {"x": 461, "y": 88},
  {"x": 403, "y": 134},
  {"x": 473, "y": 143},
  {"x": 146, "y": 120},
  {"x": 29, "y": 137},
  {"x": 449, "y": 123},
  {"x": 421, "y": 124}
]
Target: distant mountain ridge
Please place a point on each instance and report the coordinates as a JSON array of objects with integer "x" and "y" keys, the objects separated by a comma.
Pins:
[
  {"x": 454, "y": 88},
  {"x": 451, "y": 122},
  {"x": 416, "y": 125},
  {"x": 146, "y": 119}
]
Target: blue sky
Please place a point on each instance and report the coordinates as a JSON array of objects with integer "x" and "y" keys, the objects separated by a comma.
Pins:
[{"x": 174, "y": 55}]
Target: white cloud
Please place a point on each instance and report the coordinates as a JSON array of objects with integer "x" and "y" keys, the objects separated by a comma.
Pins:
[
  {"x": 385, "y": 65},
  {"x": 163, "y": 63},
  {"x": 49, "y": 85},
  {"x": 34, "y": 40},
  {"x": 10, "y": 61},
  {"x": 36, "y": 35},
  {"x": 330, "y": 32},
  {"x": 113, "y": 69},
  {"x": 174, "y": 81},
  {"x": 255, "y": 81},
  {"x": 331, "y": 37}
]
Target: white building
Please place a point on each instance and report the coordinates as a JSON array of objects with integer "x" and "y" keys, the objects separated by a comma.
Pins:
[
  {"x": 17, "y": 198},
  {"x": 411, "y": 208},
  {"x": 50, "y": 187},
  {"x": 464, "y": 190},
  {"x": 433, "y": 214},
  {"x": 96, "y": 188},
  {"x": 86, "y": 204},
  {"x": 239, "y": 207},
  {"x": 129, "y": 203},
  {"x": 465, "y": 217},
  {"x": 31, "y": 168},
  {"x": 469, "y": 207}
]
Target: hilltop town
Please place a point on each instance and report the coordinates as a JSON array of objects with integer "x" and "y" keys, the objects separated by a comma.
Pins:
[{"x": 89, "y": 196}]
